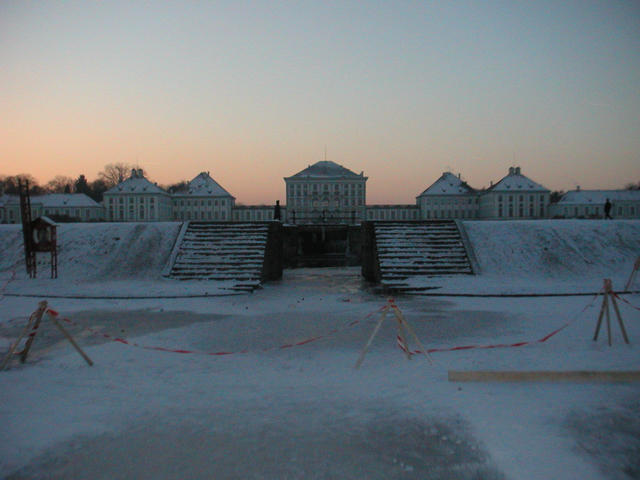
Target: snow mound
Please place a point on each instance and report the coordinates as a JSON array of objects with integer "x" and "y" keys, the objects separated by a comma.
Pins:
[
  {"x": 92, "y": 251},
  {"x": 554, "y": 248}
]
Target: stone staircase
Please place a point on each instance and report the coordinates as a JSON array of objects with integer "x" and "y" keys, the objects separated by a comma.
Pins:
[
  {"x": 226, "y": 252},
  {"x": 419, "y": 249}
]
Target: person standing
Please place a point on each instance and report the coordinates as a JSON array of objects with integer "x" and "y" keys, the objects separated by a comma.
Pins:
[{"x": 607, "y": 209}]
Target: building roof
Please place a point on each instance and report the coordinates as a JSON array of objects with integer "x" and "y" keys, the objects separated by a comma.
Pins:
[
  {"x": 6, "y": 200},
  {"x": 598, "y": 197},
  {"x": 326, "y": 169},
  {"x": 448, "y": 184},
  {"x": 204, "y": 185},
  {"x": 136, "y": 183},
  {"x": 57, "y": 200},
  {"x": 516, "y": 182}
]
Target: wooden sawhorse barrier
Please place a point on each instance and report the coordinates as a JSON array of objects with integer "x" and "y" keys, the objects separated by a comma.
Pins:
[
  {"x": 609, "y": 297},
  {"x": 31, "y": 330}
]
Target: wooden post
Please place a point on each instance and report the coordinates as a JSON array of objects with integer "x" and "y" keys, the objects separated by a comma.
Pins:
[
  {"x": 622, "y": 329},
  {"x": 373, "y": 334},
  {"x": 71, "y": 340},
  {"x": 633, "y": 275},
  {"x": 609, "y": 297},
  {"x": 32, "y": 326},
  {"x": 402, "y": 327},
  {"x": 604, "y": 305},
  {"x": 412, "y": 333},
  {"x": 35, "y": 316},
  {"x": 34, "y": 331}
]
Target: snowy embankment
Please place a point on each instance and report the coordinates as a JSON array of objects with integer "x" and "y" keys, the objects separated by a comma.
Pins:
[
  {"x": 514, "y": 257},
  {"x": 545, "y": 256},
  {"x": 98, "y": 251},
  {"x": 98, "y": 259}
]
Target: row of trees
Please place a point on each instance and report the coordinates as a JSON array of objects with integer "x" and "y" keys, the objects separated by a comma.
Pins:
[{"x": 110, "y": 176}]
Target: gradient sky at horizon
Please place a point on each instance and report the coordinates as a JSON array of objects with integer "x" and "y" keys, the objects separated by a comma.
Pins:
[{"x": 254, "y": 91}]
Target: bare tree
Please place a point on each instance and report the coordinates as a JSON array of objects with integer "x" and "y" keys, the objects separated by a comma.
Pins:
[
  {"x": 9, "y": 185},
  {"x": 60, "y": 184},
  {"x": 632, "y": 186},
  {"x": 182, "y": 186},
  {"x": 115, "y": 173}
]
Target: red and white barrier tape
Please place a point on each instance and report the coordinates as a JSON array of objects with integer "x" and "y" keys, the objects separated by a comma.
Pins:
[
  {"x": 401, "y": 342},
  {"x": 625, "y": 301},
  {"x": 124, "y": 341},
  {"x": 498, "y": 345}
]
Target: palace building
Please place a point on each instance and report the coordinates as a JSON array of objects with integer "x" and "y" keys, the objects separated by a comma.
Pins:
[{"x": 326, "y": 192}]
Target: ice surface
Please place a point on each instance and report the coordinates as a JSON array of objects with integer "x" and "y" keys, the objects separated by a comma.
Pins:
[{"x": 305, "y": 412}]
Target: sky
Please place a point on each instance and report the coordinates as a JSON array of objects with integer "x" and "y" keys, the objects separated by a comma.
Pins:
[{"x": 256, "y": 91}]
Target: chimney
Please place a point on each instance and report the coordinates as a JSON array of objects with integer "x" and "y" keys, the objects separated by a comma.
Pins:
[
  {"x": 491, "y": 183},
  {"x": 511, "y": 170},
  {"x": 134, "y": 173},
  {"x": 140, "y": 175},
  {"x": 458, "y": 176},
  {"x": 517, "y": 170},
  {"x": 578, "y": 188}
]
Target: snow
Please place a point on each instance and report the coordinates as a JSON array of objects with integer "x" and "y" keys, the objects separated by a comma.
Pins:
[
  {"x": 204, "y": 185},
  {"x": 448, "y": 184},
  {"x": 136, "y": 183},
  {"x": 599, "y": 197},
  {"x": 517, "y": 182},
  {"x": 305, "y": 412},
  {"x": 57, "y": 200},
  {"x": 325, "y": 169}
]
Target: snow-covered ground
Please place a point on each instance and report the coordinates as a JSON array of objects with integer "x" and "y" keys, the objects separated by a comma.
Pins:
[{"x": 305, "y": 412}]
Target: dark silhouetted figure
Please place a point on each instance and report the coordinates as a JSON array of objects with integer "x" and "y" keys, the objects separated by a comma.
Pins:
[
  {"x": 276, "y": 211},
  {"x": 607, "y": 209}
]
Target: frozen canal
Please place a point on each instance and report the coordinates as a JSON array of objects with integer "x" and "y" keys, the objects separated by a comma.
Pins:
[{"x": 267, "y": 410}]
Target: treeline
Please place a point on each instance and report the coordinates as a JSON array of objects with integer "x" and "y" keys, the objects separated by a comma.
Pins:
[{"x": 111, "y": 175}]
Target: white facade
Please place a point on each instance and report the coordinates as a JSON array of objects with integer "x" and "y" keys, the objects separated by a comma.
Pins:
[
  {"x": 203, "y": 200},
  {"x": 137, "y": 200},
  {"x": 393, "y": 212},
  {"x": 326, "y": 192},
  {"x": 448, "y": 197},
  {"x": 257, "y": 213},
  {"x": 76, "y": 207},
  {"x": 514, "y": 197},
  {"x": 9, "y": 209},
  {"x": 590, "y": 204}
]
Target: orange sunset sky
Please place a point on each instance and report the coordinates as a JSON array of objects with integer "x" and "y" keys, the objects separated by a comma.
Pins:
[{"x": 254, "y": 91}]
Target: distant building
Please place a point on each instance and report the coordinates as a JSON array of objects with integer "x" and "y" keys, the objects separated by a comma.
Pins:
[
  {"x": 72, "y": 206},
  {"x": 10, "y": 209},
  {"x": 514, "y": 197},
  {"x": 75, "y": 207},
  {"x": 137, "y": 200},
  {"x": 326, "y": 192},
  {"x": 203, "y": 200},
  {"x": 393, "y": 212},
  {"x": 448, "y": 197},
  {"x": 256, "y": 213},
  {"x": 590, "y": 204}
]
